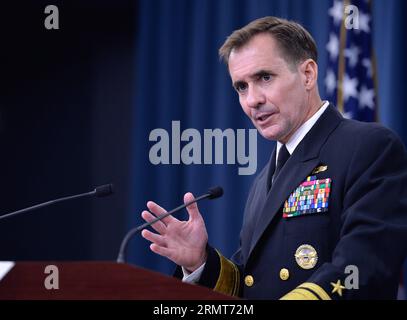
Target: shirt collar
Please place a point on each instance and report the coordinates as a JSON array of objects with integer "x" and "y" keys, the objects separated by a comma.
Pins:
[{"x": 298, "y": 135}]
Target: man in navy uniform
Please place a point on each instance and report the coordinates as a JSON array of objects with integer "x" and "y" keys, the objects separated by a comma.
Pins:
[{"x": 331, "y": 203}]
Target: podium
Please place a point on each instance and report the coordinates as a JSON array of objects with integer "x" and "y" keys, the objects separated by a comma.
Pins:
[{"x": 97, "y": 281}]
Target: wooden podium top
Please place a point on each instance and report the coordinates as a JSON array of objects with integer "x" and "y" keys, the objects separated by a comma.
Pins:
[{"x": 97, "y": 280}]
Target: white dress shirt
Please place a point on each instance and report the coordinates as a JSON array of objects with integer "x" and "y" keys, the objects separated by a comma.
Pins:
[{"x": 298, "y": 135}]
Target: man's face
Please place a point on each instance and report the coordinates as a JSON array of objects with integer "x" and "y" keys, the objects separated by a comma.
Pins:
[{"x": 271, "y": 94}]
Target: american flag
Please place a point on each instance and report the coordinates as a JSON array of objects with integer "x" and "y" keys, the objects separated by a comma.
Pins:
[
  {"x": 350, "y": 77},
  {"x": 349, "y": 80}
]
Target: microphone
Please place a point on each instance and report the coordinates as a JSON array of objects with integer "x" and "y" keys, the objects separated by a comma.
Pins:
[
  {"x": 101, "y": 191},
  {"x": 212, "y": 193}
]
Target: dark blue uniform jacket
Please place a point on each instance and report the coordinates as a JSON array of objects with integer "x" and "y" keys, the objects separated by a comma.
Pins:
[{"x": 365, "y": 225}]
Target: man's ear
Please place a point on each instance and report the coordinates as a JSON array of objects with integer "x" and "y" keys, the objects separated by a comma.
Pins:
[{"x": 309, "y": 70}]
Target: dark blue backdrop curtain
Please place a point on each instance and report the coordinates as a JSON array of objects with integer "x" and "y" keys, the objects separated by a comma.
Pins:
[{"x": 178, "y": 76}]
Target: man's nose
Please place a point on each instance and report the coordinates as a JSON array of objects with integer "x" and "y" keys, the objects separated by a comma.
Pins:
[{"x": 255, "y": 97}]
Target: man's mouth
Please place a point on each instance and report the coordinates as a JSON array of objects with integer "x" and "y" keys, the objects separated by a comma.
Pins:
[{"x": 263, "y": 117}]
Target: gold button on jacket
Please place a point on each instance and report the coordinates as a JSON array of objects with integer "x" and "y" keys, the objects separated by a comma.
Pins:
[
  {"x": 249, "y": 280},
  {"x": 284, "y": 274}
]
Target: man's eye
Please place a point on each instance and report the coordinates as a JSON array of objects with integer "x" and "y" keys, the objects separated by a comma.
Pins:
[
  {"x": 266, "y": 77},
  {"x": 241, "y": 87}
]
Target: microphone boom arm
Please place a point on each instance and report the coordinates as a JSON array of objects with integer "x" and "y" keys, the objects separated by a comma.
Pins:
[{"x": 101, "y": 191}]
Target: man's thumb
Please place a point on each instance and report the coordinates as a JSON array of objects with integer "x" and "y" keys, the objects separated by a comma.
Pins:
[{"x": 192, "y": 209}]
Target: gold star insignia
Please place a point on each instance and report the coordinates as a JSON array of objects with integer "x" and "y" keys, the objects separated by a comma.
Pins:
[{"x": 337, "y": 287}]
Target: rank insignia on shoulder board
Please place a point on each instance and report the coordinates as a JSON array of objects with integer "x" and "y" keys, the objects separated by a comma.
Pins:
[{"x": 309, "y": 197}]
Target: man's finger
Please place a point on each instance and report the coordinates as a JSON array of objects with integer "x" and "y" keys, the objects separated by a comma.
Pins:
[
  {"x": 153, "y": 237},
  {"x": 158, "y": 211},
  {"x": 158, "y": 226},
  {"x": 162, "y": 251}
]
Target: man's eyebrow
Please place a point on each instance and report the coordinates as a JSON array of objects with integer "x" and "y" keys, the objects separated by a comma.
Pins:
[
  {"x": 238, "y": 84},
  {"x": 256, "y": 75},
  {"x": 261, "y": 73}
]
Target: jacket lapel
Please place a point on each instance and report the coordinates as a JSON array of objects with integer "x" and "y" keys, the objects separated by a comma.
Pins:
[
  {"x": 253, "y": 215},
  {"x": 303, "y": 160}
]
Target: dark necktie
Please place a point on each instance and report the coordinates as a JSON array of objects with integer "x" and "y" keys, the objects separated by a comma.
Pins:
[{"x": 283, "y": 156}]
